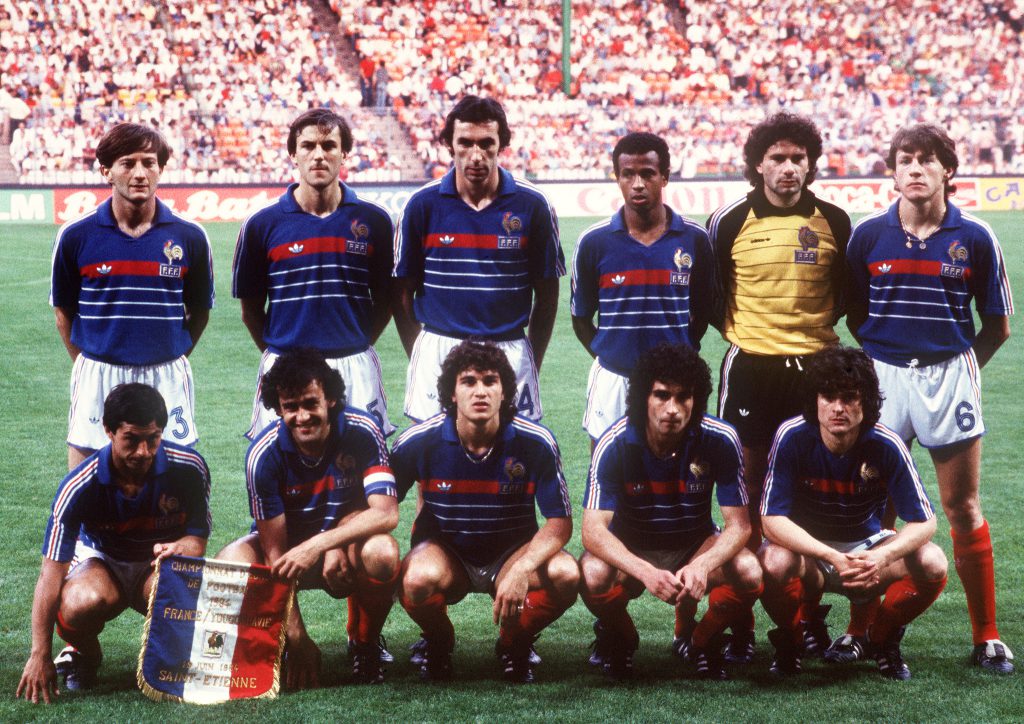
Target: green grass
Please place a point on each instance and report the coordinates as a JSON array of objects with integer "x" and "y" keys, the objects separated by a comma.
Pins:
[{"x": 34, "y": 375}]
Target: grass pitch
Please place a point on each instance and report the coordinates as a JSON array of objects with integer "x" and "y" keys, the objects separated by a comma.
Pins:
[{"x": 34, "y": 372}]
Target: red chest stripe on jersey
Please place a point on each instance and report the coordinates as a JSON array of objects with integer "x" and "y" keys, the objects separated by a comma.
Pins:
[
  {"x": 445, "y": 486},
  {"x": 836, "y": 487},
  {"x": 315, "y": 487},
  {"x": 636, "y": 277},
  {"x": 129, "y": 268},
  {"x": 475, "y": 241},
  {"x": 655, "y": 487},
  {"x": 911, "y": 266},
  {"x": 145, "y": 523},
  {"x": 315, "y": 245}
]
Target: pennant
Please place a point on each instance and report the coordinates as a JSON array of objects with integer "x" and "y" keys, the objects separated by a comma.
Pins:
[{"x": 214, "y": 631}]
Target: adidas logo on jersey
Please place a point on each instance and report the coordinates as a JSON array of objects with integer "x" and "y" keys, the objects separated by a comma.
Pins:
[
  {"x": 104, "y": 268},
  {"x": 296, "y": 248},
  {"x": 743, "y": 413},
  {"x": 884, "y": 268},
  {"x": 446, "y": 239},
  {"x": 618, "y": 278},
  {"x": 444, "y": 487}
]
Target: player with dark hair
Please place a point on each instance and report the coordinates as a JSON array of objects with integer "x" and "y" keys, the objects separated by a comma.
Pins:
[
  {"x": 481, "y": 472},
  {"x": 322, "y": 496},
  {"x": 830, "y": 473},
  {"x": 647, "y": 515},
  {"x": 132, "y": 288},
  {"x": 780, "y": 252},
  {"x": 914, "y": 270},
  {"x": 647, "y": 273},
  {"x": 314, "y": 269},
  {"x": 477, "y": 255},
  {"x": 130, "y": 504}
]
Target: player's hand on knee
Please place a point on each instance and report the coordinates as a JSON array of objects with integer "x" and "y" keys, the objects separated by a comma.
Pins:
[
  {"x": 694, "y": 579},
  {"x": 338, "y": 571},
  {"x": 511, "y": 595},
  {"x": 38, "y": 680},
  {"x": 296, "y": 561},
  {"x": 663, "y": 584}
]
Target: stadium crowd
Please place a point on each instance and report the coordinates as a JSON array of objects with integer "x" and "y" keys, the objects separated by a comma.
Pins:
[{"x": 222, "y": 79}]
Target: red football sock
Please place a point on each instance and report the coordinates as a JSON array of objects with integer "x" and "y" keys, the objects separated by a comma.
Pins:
[
  {"x": 809, "y": 604},
  {"x": 539, "y": 610},
  {"x": 686, "y": 613},
  {"x": 862, "y": 615},
  {"x": 352, "y": 625},
  {"x": 904, "y": 601},
  {"x": 373, "y": 600},
  {"x": 783, "y": 605},
  {"x": 610, "y": 609},
  {"x": 972, "y": 554},
  {"x": 725, "y": 605},
  {"x": 432, "y": 617}
]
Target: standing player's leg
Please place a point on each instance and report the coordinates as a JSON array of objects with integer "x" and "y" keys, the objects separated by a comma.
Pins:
[{"x": 958, "y": 473}]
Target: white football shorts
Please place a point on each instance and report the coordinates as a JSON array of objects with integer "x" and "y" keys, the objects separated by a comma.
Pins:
[
  {"x": 92, "y": 381},
  {"x": 939, "y": 404},
  {"x": 129, "y": 575},
  {"x": 429, "y": 352},
  {"x": 363, "y": 389},
  {"x": 606, "y": 400}
]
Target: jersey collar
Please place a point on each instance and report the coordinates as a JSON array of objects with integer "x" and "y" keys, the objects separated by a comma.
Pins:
[
  {"x": 450, "y": 434},
  {"x": 105, "y": 469},
  {"x": 284, "y": 435},
  {"x": 673, "y": 221},
  {"x": 952, "y": 220},
  {"x": 763, "y": 207},
  {"x": 105, "y": 214},
  {"x": 290, "y": 206},
  {"x": 506, "y": 183}
]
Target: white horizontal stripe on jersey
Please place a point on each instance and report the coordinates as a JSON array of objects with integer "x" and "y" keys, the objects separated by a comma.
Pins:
[
  {"x": 478, "y": 289},
  {"x": 314, "y": 267}
]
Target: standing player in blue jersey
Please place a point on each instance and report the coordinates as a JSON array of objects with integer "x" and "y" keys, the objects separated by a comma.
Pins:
[
  {"x": 830, "y": 473},
  {"x": 481, "y": 470},
  {"x": 477, "y": 254},
  {"x": 647, "y": 273},
  {"x": 647, "y": 515},
  {"x": 132, "y": 289},
  {"x": 137, "y": 500},
  {"x": 914, "y": 270},
  {"x": 322, "y": 495},
  {"x": 780, "y": 253},
  {"x": 314, "y": 269}
]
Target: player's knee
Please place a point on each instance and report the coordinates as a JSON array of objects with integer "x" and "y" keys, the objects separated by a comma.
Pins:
[
  {"x": 246, "y": 549},
  {"x": 420, "y": 581},
  {"x": 963, "y": 512},
  {"x": 746, "y": 570},
  {"x": 380, "y": 557},
  {"x": 596, "y": 576},
  {"x": 932, "y": 562},
  {"x": 83, "y": 602},
  {"x": 564, "y": 573},
  {"x": 779, "y": 563}
]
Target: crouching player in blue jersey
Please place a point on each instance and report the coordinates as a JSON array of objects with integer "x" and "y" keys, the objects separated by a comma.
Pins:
[
  {"x": 322, "y": 495},
  {"x": 647, "y": 515},
  {"x": 135, "y": 501},
  {"x": 829, "y": 475},
  {"x": 481, "y": 469},
  {"x": 914, "y": 270}
]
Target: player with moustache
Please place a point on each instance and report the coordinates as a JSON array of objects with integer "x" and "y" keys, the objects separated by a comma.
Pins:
[
  {"x": 482, "y": 473},
  {"x": 780, "y": 252},
  {"x": 133, "y": 502},
  {"x": 830, "y": 474},
  {"x": 131, "y": 289},
  {"x": 915, "y": 269},
  {"x": 322, "y": 497},
  {"x": 647, "y": 273},
  {"x": 314, "y": 269},
  {"x": 477, "y": 254},
  {"x": 647, "y": 515}
]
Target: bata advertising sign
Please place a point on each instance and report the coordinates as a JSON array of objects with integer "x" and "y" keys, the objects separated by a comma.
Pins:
[{"x": 696, "y": 199}]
